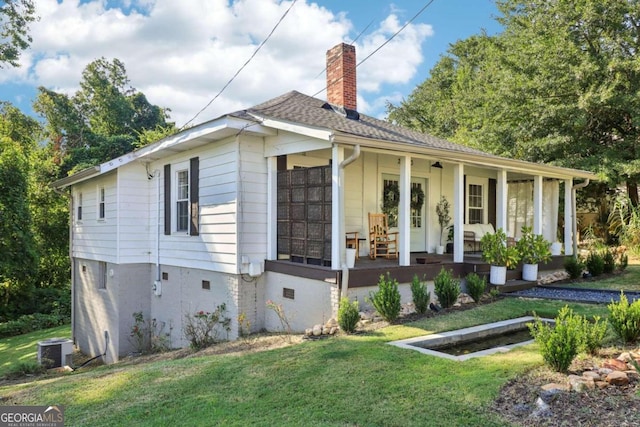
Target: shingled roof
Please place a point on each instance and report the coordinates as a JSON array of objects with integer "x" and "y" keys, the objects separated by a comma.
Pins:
[{"x": 298, "y": 108}]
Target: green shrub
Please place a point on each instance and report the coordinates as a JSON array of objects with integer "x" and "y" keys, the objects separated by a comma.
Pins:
[
  {"x": 25, "y": 367},
  {"x": 387, "y": 300},
  {"x": 623, "y": 261},
  {"x": 420, "y": 295},
  {"x": 447, "y": 289},
  {"x": 476, "y": 286},
  {"x": 31, "y": 322},
  {"x": 203, "y": 328},
  {"x": 573, "y": 266},
  {"x": 625, "y": 318},
  {"x": 593, "y": 334},
  {"x": 595, "y": 263},
  {"x": 559, "y": 344},
  {"x": 348, "y": 315},
  {"x": 609, "y": 261}
]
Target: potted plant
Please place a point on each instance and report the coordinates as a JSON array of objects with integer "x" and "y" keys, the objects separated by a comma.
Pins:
[
  {"x": 533, "y": 249},
  {"x": 496, "y": 252},
  {"x": 450, "y": 239},
  {"x": 442, "y": 210}
]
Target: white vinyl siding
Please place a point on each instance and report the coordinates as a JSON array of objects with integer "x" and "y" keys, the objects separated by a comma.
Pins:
[
  {"x": 101, "y": 203},
  {"x": 137, "y": 215}
]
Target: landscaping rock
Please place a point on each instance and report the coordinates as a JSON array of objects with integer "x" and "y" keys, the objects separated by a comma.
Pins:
[
  {"x": 308, "y": 332},
  {"x": 317, "y": 330},
  {"x": 618, "y": 378},
  {"x": 615, "y": 365},
  {"x": 555, "y": 386},
  {"x": 331, "y": 323},
  {"x": 592, "y": 375}
]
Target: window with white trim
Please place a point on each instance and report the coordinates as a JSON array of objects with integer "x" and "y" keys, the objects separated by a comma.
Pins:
[
  {"x": 182, "y": 200},
  {"x": 475, "y": 204},
  {"x": 101, "y": 203},
  {"x": 102, "y": 275}
]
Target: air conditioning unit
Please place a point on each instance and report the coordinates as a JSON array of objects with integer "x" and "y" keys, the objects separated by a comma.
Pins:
[{"x": 55, "y": 352}]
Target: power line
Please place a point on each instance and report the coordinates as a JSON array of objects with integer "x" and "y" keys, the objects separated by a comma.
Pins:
[
  {"x": 243, "y": 66},
  {"x": 385, "y": 42}
]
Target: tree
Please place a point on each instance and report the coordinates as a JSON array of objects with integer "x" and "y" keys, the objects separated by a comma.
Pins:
[
  {"x": 559, "y": 85},
  {"x": 18, "y": 257},
  {"x": 15, "y": 16},
  {"x": 105, "y": 119}
]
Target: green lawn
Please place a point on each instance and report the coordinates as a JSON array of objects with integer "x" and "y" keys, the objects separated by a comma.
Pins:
[
  {"x": 629, "y": 280},
  {"x": 342, "y": 381},
  {"x": 23, "y": 348}
]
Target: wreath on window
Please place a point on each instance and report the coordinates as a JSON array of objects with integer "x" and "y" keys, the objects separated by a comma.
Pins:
[{"x": 391, "y": 197}]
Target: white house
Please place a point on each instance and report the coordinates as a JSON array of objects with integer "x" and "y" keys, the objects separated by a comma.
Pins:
[{"x": 255, "y": 206}]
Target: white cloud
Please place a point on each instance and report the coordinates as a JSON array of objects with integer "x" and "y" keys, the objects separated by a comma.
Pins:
[{"x": 180, "y": 54}]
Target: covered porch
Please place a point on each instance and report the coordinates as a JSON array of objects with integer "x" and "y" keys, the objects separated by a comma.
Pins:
[{"x": 320, "y": 197}]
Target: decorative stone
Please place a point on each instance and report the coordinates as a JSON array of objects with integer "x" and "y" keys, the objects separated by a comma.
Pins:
[
  {"x": 308, "y": 332},
  {"x": 602, "y": 384},
  {"x": 465, "y": 299},
  {"x": 325, "y": 330},
  {"x": 605, "y": 371},
  {"x": 592, "y": 375},
  {"x": 317, "y": 330},
  {"x": 580, "y": 384},
  {"x": 624, "y": 357},
  {"x": 615, "y": 365},
  {"x": 549, "y": 396},
  {"x": 617, "y": 378},
  {"x": 555, "y": 386},
  {"x": 331, "y": 323},
  {"x": 333, "y": 330}
]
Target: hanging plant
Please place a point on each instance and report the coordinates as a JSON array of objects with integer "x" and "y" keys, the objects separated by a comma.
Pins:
[{"x": 417, "y": 198}]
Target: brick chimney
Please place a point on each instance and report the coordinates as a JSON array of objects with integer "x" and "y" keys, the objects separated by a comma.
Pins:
[{"x": 341, "y": 76}]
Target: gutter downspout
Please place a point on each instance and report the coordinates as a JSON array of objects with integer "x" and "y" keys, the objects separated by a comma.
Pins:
[
  {"x": 157, "y": 284},
  {"x": 574, "y": 225},
  {"x": 346, "y": 162}
]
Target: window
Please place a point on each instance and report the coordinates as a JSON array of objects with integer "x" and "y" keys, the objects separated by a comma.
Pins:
[
  {"x": 79, "y": 207},
  {"x": 102, "y": 275},
  {"x": 182, "y": 200},
  {"x": 476, "y": 204},
  {"x": 101, "y": 200}
]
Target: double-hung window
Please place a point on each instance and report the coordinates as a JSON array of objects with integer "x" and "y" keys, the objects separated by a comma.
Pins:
[
  {"x": 181, "y": 198},
  {"x": 79, "y": 207},
  {"x": 101, "y": 203}
]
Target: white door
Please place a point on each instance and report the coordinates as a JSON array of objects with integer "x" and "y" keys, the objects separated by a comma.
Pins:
[{"x": 418, "y": 220}]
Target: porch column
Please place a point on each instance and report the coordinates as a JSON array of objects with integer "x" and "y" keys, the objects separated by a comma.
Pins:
[
  {"x": 537, "y": 204},
  {"x": 501, "y": 200},
  {"x": 568, "y": 217},
  {"x": 458, "y": 213},
  {"x": 272, "y": 206},
  {"x": 404, "y": 210},
  {"x": 338, "y": 252}
]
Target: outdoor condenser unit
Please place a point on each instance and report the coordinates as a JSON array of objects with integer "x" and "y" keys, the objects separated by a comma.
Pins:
[{"x": 55, "y": 352}]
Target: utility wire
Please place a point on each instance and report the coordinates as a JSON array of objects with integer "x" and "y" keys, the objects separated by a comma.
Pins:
[
  {"x": 385, "y": 43},
  {"x": 243, "y": 66}
]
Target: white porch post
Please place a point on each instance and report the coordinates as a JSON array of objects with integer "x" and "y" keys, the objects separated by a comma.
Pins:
[
  {"x": 272, "y": 206},
  {"x": 458, "y": 213},
  {"x": 404, "y": 210},
  {"x": 568, "y": 217},
  {"x": 338, "y": 251},
  {"x": 501, "y": 200},
  {"x": 537, "y": 204}
]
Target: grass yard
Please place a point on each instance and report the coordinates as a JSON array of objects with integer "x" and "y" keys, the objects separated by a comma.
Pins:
[
  {"x": 24, "y": 348},
  {"x": 628, "y": 280},
  {"x": 345, "y": 380}
]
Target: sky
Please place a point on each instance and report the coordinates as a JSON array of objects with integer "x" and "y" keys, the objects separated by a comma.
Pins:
[{"x": 181, "y": 53}]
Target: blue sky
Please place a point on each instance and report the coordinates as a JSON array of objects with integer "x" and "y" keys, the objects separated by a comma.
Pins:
[{"x": 181, "y": 53}]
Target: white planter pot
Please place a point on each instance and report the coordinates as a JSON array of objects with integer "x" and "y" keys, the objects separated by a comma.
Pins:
[
  {"x": 530, "y": 272},
  {"x": 498, "y": 275},
  {"x": 439, "y": 250},
  {"x": 351, "y": 257},
  {"x": 556, "y": 248}
]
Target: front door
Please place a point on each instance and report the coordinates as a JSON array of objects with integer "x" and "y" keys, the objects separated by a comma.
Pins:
[{"x": 417, "y": 220}]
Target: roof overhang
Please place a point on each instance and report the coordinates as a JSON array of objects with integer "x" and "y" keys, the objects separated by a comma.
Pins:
[
  {"x": 205, "y": 133},
  {"x": 477, "y": 159}
]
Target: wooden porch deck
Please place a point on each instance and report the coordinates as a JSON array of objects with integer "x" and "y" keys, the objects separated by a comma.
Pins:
[{"x": 367, "y": 272}]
